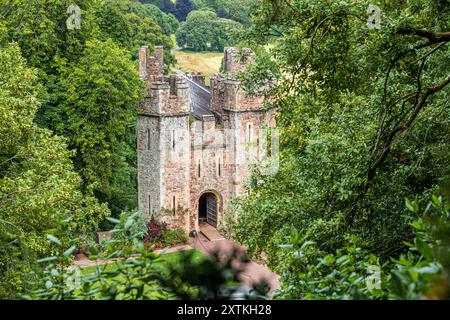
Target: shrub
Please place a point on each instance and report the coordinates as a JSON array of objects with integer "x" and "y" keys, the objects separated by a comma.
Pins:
[
  {"x": 145, "y": 275},
  {"x": 155, "y": 230},
  {"x": 135, "y": 227},
  {"x": 424, "y": 271},
  {"x": 159, "y": 234},
  {"x": 226, "y": 225},
  {"x": 310, "y": 271},
  {"x": 173, "y": 237}
]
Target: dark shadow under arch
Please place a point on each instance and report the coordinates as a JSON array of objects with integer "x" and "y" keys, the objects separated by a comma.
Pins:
[{"x": 208, "y": 208}]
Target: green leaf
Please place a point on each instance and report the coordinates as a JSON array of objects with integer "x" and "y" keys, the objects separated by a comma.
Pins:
[
  {"x": 54, "y": 273},
  {"x": 48, "y": 259},
  {"x": 48, "y": 284},
  {"x": 286, "y": 246},
  {"x": 412, "y": 205},
  {"x": 69, "y": 251},
  {"x": 113, "y": 220},
  {"x": 437, "y": 200},
  {"x": 397, "y": 285},
  {"x": 342, "y": 259},
  {"x": 308, "y": 243},
  {"x": 128, "y": 224},
  {"x": 54, "y": 239},
  {"x": 424, "y": 248}
]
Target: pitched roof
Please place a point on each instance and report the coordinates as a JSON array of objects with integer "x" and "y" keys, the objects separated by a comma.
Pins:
[{"x": 200, "y": 98}]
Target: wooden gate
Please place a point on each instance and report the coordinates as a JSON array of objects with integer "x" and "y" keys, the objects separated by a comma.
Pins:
[{"x": 211, "y": 210}]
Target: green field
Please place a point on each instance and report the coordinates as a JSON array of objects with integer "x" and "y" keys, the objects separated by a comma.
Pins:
[{"x": 206, "y": 63}]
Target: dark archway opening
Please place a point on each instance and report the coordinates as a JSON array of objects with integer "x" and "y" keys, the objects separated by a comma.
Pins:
[{"x": 207, "y": 209}]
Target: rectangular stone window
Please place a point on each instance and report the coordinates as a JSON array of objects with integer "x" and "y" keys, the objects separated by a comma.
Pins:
[
  {"x": 199, "y": 168},
  {"x": 173, "y": 139},
  {"x": 150, "y": 209},
  {"x": 249, "y": 132},
  {"x": 219, "y": 166},
  {"x": 149, "y": 139},
  {"x": 174, "y": 205}
]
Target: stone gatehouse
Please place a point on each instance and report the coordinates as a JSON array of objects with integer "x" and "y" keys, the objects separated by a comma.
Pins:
[{"x": 196, "y": 143}]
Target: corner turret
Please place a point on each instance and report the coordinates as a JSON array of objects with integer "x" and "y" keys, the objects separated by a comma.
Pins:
[
  {"x": 226, "y": 91},
  {"x": 168, "y": 96}
]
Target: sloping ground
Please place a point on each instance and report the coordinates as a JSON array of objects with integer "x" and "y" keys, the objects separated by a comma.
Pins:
[
  {"x": 210, "y": 232},
  {"x": 207, "y": 63}
]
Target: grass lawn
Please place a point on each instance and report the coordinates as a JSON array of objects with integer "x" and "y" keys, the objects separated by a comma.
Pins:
[{"x": 207, "y": 63}]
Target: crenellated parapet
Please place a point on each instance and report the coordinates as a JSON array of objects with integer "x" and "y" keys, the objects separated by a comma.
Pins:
[
  {"x": 166, "y": 96},
  {"x": 151, "y": 67},
  {"x": 236, "y": 60},
  {"x": 226, "y": 90}
]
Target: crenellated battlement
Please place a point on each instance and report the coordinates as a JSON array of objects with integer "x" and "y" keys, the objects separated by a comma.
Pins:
[
  {"x": 166, "y": 95},
  {"x": 226, "y": 91},
  {"x": 236, "y": 60},
  {"x": 151, "y": 67}
]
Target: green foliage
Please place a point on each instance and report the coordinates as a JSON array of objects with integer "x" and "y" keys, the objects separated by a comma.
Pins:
[
  {"x": 310, "y": 272},
  {"x": 240, "y": 11},
  {"x": 203, "y": 30},
  {"x": 39, "y": 27},
  {"x": 132, "y": 25},
  {"x": 160, "y": 235},
  {"x": 59, "y": 54},
  {"x": 97, "y": 101},
  {"x": 336, "y": 121},
  {"x": 182, "y": 9},
  {"x": 89, "y": 95},
  {"x": 134, "y": 228},
  {"x": 226, "y": 225},
  {"x": 424, "y": 271},
  {"x": 362, "y": 116},
  {"x": 140, "y": 274},
  {"x": 38, "y": 185},
  {"x": 173, "y": 237}
]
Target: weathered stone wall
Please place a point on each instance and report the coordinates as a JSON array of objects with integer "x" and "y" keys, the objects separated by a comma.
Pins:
[
  {"x": 163, "y": 143},
  {"x": 208, "y": 149},
  {"x": 236, "y": 60},
  {"x": 175, "y": 169},
  {"x": 167, "y": 97},
  {"x": 198, "y": 78}
]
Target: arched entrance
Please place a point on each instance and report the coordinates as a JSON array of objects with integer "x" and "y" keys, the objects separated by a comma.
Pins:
[{"x": 207, "y": 209}]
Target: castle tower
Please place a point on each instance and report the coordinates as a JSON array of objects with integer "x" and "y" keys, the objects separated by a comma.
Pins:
[
  {"x": 163, "y": 142},
  {"x": 244, "y": 116},
  {"x": 196, "y": 144}
]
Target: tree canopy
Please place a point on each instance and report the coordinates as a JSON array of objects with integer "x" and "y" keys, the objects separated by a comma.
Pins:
[
  {"x": 38, "y": 184},
  {"x": 203, "y": 30},
  {"x": 363, "y": 114},
  {"x": 83, "y": 85}
]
